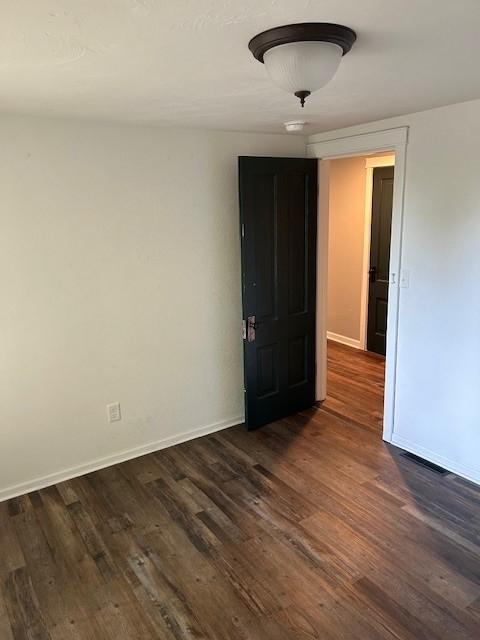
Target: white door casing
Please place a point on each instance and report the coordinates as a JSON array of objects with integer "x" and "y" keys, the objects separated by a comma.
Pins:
[{"x": 388, "y": 140}]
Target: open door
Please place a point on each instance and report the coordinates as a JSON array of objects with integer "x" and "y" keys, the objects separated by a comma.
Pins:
[
  {"x": 278, "y": 212},
  {"x": 379, "y": 273}
]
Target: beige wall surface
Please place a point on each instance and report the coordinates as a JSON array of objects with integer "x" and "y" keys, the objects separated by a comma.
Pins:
[
  {"x": 345, "y": 246},
  {"x": 120, "y": 281}
]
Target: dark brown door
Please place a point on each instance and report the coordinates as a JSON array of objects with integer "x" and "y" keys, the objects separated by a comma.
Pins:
[
  {"x": 380, "y": 259},
  {"x": 278, "y": 211}
]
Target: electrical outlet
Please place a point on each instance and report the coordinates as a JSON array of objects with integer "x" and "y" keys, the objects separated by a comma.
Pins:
[{"x": 113, "y": 412}]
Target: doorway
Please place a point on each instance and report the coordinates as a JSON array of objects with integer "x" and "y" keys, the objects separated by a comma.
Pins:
[
  {"x": 285, "y": 345},
  {"x": 359, "y": 229},
  {"x": 359, "y": 224},
  {"x": 328, "y": 149}
]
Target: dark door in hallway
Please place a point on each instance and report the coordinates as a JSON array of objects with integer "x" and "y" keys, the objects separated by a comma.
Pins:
[
  {"x": 382, "y": 200},
  {"x": 278, "y": 209}
]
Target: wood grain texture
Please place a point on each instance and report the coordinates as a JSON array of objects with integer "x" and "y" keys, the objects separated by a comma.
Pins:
[{"x": 311, "y": 528}]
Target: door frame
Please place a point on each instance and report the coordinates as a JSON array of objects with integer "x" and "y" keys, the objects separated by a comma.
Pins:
[
  {"x": 325, "y": 149},
  {"x": 370, "y": 165}
]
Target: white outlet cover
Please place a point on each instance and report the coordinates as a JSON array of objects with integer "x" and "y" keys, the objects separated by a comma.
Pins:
[{"x": 113, "y": 412}]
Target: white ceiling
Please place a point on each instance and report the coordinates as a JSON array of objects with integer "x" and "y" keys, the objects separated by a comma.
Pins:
[{"x": 185, "y": 63}]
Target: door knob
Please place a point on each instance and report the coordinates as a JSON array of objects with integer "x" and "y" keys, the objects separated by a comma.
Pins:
[{"x": 372, "y": 273}]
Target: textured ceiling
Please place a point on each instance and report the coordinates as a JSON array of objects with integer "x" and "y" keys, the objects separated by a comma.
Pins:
[{"x": 185, "y": 63}]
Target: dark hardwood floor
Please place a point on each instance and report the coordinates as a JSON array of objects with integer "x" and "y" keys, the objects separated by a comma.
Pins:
[
  {"x": 309, "y": 528},
  {"x": 355, "y": 381}
]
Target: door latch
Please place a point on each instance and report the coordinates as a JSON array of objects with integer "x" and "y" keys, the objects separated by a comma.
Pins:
[{"x": 251, "y": 327}]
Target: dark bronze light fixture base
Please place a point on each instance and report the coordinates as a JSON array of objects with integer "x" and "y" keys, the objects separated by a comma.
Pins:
[
  {"x": 301, "y": 95},
  {"x": 342, "y": 36}
]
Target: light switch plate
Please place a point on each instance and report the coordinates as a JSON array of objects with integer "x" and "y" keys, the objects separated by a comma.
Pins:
[{"x": 405, "y": 278}]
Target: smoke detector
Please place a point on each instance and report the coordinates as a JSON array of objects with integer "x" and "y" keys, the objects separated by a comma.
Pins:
[{"x": 295, "y": 125}]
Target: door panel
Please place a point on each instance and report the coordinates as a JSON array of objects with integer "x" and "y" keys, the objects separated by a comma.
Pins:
[
  {"x": 278, "y": 207},
  {"x": 382, "y": 201},
  {"x": 294, "y": 193},
  {"x": 298, "y": 361},
  {"x": 267, "y": 370},
  {"x": 265, "y": 246}
]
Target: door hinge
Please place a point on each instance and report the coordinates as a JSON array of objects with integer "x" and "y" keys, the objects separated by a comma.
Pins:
[{"x": 244, "y": 330}]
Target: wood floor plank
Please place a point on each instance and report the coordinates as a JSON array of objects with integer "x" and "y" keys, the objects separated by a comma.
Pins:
[
  {"x": 309, "y": 528},
  {"x": 24, "y": 608}
]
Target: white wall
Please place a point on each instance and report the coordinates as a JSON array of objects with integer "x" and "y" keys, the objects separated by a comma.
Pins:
[
  {"x": 120, "y": 280},
  {"x": 437, "y": 408}
]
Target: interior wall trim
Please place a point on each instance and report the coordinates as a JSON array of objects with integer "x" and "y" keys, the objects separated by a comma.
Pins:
[
  {"x": 465, "y": 472},
  {"x": 350, "y": 342},
  {"x": 319, "y": 146},
  {"x": 122, "y": 456}
]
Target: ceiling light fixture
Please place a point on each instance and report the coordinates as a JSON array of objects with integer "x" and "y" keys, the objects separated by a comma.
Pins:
[{"x": 302, "y": 58}]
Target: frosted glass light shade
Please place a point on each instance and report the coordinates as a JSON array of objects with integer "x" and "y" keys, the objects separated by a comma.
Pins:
[{"x": 302, "y": 66}]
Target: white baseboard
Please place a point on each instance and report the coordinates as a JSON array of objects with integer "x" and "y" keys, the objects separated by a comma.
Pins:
[
  {"x": 460, "y": 470},
  {"x": 100, "y": 463},
  {"x": 350, "y": 342}
]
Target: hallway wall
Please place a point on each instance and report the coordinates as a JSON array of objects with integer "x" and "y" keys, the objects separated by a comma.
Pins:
[{"x": 345, "y": 247}]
